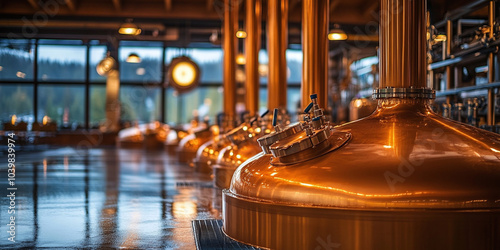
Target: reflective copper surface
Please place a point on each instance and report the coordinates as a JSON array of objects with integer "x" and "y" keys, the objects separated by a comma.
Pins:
[
  {"x": 243, "y": 146},
  {"x": 403, "y": 41},
  {"x": 406, "y": 179},
  {"x": 230, "y": 27},
  {"x": 252, "y": 47},
  {"x": 208, "y": 154},
  {"x": 315, "y": 17},
  {"x": 277, "y": 43},
  {"x": 189, "y": 145},
  {"x": 151, "y": 135}
]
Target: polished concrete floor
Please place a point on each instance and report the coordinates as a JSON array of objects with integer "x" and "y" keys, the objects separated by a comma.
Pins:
[{"x": 105, "y": 198}]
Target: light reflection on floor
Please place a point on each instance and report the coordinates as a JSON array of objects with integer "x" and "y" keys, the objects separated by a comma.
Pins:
[{"x": 105, "y": 198}]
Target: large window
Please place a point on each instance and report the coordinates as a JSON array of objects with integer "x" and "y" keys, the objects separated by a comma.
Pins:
[
  {"x": 293, "y": 63},
  {"x": 63, "y": 104},
  {"x": 16, "y": 60},
  {"x": 16, "y": 100},
  {"x": 140, "y": 104},
  {"x": 61, "y": 62},
  {"x": 146, "y": 68},
  {"x": 56, "y": 70}
]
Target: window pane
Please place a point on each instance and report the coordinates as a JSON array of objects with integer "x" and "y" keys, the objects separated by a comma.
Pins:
[
  {"x": 140, "y": 103},
  {"x": 16, "y": 100},
  {"x": 16, "y": 60},
  {"x": 97, "y": 53},
  {"x": 208, "y": 59},
  {"x": 293, "y": 102},
  {"x": 173, "y": 106},
  {"x": 294, "y": 66},
  {"x": 61, "y": 63},
  {"x": 63, "y": 104},
  {"x": 147, "y": 70},
  {"x": 97, "y": 105},
  {"x": 207, "y": 101}
]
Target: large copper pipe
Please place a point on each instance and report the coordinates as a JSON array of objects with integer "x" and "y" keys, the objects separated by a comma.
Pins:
[
  {"x": 315, "y": 49},
  {"x": 252, "y": 47},
  {"x": 229, "y": 37},
  {"x": 277, "y": 41},
  {"x": 403, "y": 44}
]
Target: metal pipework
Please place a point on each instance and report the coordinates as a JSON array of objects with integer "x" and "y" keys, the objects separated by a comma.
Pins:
[
  {"x": 491, "y": 67},
  {"x": 315, "y": 15},
  {"x": 402, "y": 44},
  {"x": 277, "y": 43},
  {"x": 252, "y": 47},
  {"x": 230, "y": 27}
]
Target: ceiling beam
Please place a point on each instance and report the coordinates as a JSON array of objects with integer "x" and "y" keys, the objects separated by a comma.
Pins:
[
  {"x": 34, "y": 4},
  {"x": 168, "y": 5},
  {"x": 334, "y": 4},
  {"x": 71, "y": 4},
  {"x": 372, "y": 8},
  {"x": 210, "y": 5},
  {"x": 117, "y": 4}
]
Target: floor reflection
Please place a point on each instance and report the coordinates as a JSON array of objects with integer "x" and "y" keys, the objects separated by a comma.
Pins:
[{"x": 106, "y": 198}]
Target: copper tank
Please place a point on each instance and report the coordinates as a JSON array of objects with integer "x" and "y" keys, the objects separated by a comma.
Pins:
[
  {"x": 401, "y": 178},
  {"x": 188, "y": 146}
]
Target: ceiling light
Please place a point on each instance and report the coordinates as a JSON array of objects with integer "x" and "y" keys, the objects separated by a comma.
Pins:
[
  {"x": 240, "y": 59},
  {"x": 129, "y": 28},
  {"x": 133, "y": 58},
  {"x": 105, "y": 65},
  {"x": 337, "y": 35},
  {"x": 241, "y": 34}
]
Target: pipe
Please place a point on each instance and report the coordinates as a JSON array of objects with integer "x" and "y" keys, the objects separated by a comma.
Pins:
[
  {"x": 252, "y": 47},
  {"x": 277, "y": 43},
  {"x": 315, "y": 51},
  {"x": 491, "y": 68},
  {"x": 403, "y": 46},
  {"x": 230, "y": 27},
  {"x": 449, "y": 39}
]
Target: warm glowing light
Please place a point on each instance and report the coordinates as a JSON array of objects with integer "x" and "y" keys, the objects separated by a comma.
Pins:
[
  {"x": 257, "y": 130},
  {"x": 44, "y": 167},
  {"x": 66, "y": 163},
  {"x": 238, "y": 156},
  {"x": 495, "y": 150},
  {"x": 1, "y": 68},
  {"x": 245, "y": 128},
  {"x": 184, "y": 209},
  {"x": 140, "y": 71},
  {"x": 240, "y": 59},
  {"x": 20, "y": 74},
  {"x": 105, "y": 66},
  {"x": 387, "y": 146},
  {"x": 440, "y": 38},
  {"x": 45, "y": 120},
  {"x": 133, "y": 58},
  {"x": 337, "y": 35},
  {"x": 241, "y": 34},
  {"x": 13, "y": 120},
  {"x": 358, "y": 103},
  {"x": 184, "y": 73},
  {"x": 129, "y": 29}
]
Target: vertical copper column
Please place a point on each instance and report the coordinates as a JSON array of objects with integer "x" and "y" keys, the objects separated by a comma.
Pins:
[
  {"x": 403, "y": 44},
  {"x": 229, "y": 37},
  {"x": 315, "y": 51},
  {"x": 277, "y": 42},
  {"x": 252, "y": 47},
  {"x": 491, "y": 68}
]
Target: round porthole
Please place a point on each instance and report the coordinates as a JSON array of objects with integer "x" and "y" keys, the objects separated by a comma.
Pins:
[{"x": 183, "y": 74}]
